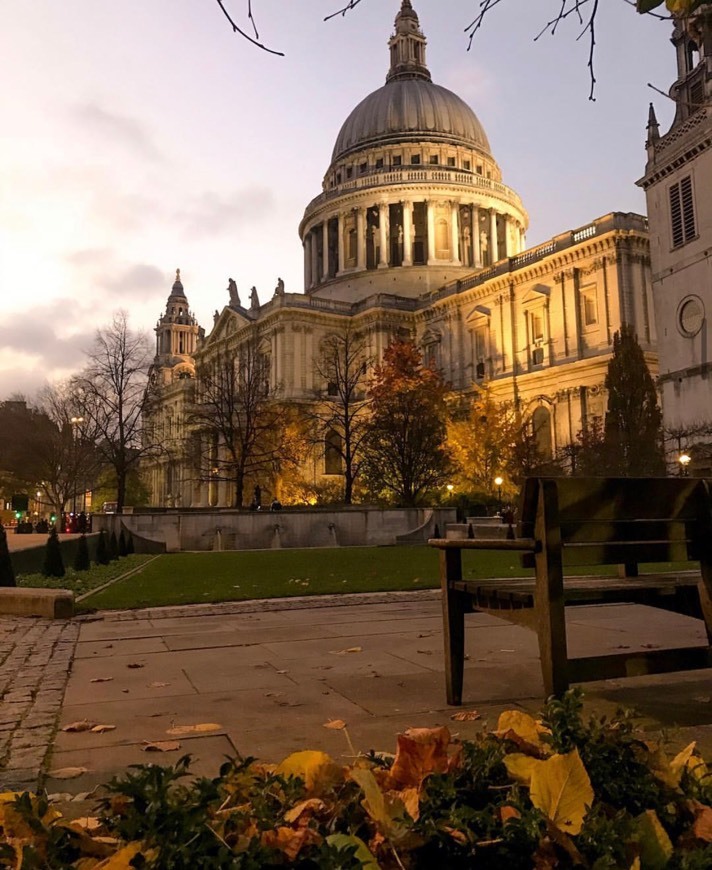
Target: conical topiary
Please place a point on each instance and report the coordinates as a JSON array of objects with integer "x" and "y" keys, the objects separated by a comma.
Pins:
[
  {"x": 436, "y": 531},
  {"x": 113, "y": 546},
  {"x": 81, "y": 560},
  {"x": 53, "y": 564},
  {"x": 130, "y": 545},
  {"x": 122, "y": 544},
  {"x": 7, "y": 575},
  {"x": 470, "y": 531},
  {"x": 102, "y": 550}
]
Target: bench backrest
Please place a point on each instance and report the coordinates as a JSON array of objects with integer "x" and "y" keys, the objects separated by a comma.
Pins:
[{"x": 608, "y": 521}]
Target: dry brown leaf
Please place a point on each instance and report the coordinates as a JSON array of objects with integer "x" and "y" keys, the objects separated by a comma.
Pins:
[
  {"x": 507, "y": 813},
  {"x": 161, "y": 746},
  {"x": 67, "y": 772},
  {"x": 343, "y": 652},
  {"x": 335, "y": 724},
  {"x": 420, "y": 751},
  {"x": 101, "y": 729},
  {"x": 135, "y": 665},
  {"x": 157, "y": 685},
  {"x": 202, "y": 728},
  {"x": 466, "y": 716},
  {"x": 82, "y": 725},
  {"x": 702, "y": 827},
  {"x": 101, "y": 680},
  {"x": 458, "y": 836},
  {"x": 289, "y": 841},
  {"x": 88, "y": 823},
  {"x": 302, "y": 811},
  {"x": 425, "y": 652}
]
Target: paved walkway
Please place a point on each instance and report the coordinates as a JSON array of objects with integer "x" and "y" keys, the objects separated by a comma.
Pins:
[
  {"x": 267, "y": 676},
  {"x": 16, "y": 543}
]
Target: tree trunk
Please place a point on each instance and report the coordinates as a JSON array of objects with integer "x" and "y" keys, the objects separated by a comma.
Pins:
[{"x": 120, "y": 490}]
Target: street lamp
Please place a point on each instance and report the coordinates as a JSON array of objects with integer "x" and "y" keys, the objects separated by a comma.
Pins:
[
  {"x": 498, "y": 481},
  {"x": 75, "y": 421},
  {"x": 684, "y": 459}
]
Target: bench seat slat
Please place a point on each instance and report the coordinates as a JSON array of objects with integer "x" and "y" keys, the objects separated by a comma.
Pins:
[
  {"x": 659, "y": 661},
  {"x": 482, "y": 544}
]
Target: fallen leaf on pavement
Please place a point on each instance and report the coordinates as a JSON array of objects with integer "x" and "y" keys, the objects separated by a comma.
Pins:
[
  {"x": 101, "y": 680},
  {"x": 157, "y": 685},
  {"x": 343, "y": 652},
  {"x": 465, "y": 716},
  {"x": 180, "y": 730},
  {"x": 88, "y": 823},
  {"x": 425, "y": 652},
  {"x": 83, "y": 725},
  {"x": 67, "y": 772},
  {"x": 100, "y": 729},
  {"x": 161, "y": 746},
  {"x": 135, "y": 665},
  {"x": 335, "y": 724}
]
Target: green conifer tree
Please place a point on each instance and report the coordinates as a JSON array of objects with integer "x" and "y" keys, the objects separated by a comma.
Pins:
[
  {"x": 633, "y": 428},
  {"x": 130, "y": 545},
  {"x": 123, "y": 551},
  {"x": 81, "y": 560},
  {"x": 113, "y": 546},
  {"x": 102, "y": 550},
  {"x": 53, "y": 562},
  {"x": 7, "y": 574}
]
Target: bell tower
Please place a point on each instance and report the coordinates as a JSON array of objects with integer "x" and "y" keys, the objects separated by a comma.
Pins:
[
  {"x": 177, "y": 335},
  {"x": 407, "y": 46},
  {"x": 677, "y": 184}
]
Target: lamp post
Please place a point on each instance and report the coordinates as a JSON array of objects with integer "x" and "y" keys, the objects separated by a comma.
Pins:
[
  {"x": 498, "y": 481},
  {"x": 75, "y": 421},
  {"x": 684, "y": 459}
]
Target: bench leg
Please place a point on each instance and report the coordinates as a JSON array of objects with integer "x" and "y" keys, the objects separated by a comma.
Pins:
[{"x": 453, "y": 603}]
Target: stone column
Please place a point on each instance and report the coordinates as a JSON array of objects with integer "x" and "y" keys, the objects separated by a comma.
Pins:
[
  {"x": 315, "y": 259},
  {"x": 342, "y": 258},
  {"x": 522, "y": 240},
  {"x": 509, "y": 237},
  {"x": 494, "y": 240},
  {"x": 407, "y": 233},
  {"x": 360, "y": 238},
  {"x": 455, "y": 233},
  {"x": 476, "y": 247},
  {"x": 431, "y": 232},
  {"x": 383, "y": 235},
  {"x": 307, "y": 261},
  {"x": 325, "y": 248}
]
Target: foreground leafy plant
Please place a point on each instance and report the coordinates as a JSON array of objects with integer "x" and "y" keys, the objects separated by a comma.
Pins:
[{"x": 553, "y": 792}]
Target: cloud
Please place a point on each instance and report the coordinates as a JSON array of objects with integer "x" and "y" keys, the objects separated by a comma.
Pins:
[
  {"x": 100, "y": 269},
  {"x": 40, "y": 338},
  {"x": 116, "y": 128},
  {"x": 138, "y": 280},
  {"x": 212, "y": 213}
]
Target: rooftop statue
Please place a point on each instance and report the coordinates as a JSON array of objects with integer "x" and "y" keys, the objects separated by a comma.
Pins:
[
  {"x": 254, "y": 299},
  {"x": 232, "y": 290}
]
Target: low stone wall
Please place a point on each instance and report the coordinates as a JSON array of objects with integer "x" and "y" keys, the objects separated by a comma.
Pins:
[
  {"x": 263, "y": 530},
  {"x": 31, "y": 560}
]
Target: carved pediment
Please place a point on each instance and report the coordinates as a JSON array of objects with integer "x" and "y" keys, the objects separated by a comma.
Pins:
[
  {"x": 479, "y": 312},
  {"x": 228, "y": 322}
]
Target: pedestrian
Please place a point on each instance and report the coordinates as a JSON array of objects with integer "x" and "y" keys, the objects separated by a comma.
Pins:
[{"x": 257, "y": 497}]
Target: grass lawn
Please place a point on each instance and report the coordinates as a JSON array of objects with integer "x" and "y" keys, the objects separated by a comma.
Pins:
[
  {"x": 83, "y": 581},
  {"x": 189, "y": 578}
]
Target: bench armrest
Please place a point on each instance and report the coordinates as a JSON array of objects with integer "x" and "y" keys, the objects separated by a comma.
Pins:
[{"x": 527, "y": 545}]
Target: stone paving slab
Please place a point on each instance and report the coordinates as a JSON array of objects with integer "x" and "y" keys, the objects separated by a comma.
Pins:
[{"x": 271, "y": 678}]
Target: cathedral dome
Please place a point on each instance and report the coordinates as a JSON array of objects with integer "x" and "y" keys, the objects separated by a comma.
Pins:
[{"x": 410, "y": 108}]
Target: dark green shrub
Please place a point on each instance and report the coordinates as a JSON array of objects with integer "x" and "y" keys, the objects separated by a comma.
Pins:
[
  {"x": 130, "y": 545},
  {"x": 81, "y": 560},
  {"x": 102, "y": 550},
  {"x": 7, "y": 575},
  {"x": 123, "y": 551},
  {"x": 53, "y": 563}
]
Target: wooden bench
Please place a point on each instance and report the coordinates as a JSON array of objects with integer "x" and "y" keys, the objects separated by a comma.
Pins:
[{"x": 585, "y": 522}]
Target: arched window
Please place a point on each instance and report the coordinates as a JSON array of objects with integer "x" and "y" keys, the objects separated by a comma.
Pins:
[
  {"x": 332, "y": 453},
  {"x": 541, "y": 424}
]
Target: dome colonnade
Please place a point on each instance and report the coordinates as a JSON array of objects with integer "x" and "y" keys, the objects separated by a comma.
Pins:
[{"x": 412, "y": 182}]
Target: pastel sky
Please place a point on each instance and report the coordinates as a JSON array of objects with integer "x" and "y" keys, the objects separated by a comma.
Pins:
[{"x": 137, "y": 136}]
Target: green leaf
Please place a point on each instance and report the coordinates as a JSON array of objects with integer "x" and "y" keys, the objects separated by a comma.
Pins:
[
  {"x": 655, "y": 845},
  {"x": 343, "y": 841}
]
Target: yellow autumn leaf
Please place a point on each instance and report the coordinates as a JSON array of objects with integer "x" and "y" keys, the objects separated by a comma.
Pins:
[
  {"x": 561, "y": 789},
  {"x": 122, "y": 859},
  {"x": 201, "y": 728},
  {"x": 383, "y": 808},
  {"x": 318, "y": 770},
  {"x": 655, "y": 845},
  {"x": 679, "y": 762},
  {"x": 520, "y": 767},
  {"x": 524, "y": 726}
]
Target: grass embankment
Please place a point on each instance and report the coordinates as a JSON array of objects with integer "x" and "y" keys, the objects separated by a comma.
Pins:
[
  {"x": 84, "y": 581},
  {"x": 190, "y": 578}
]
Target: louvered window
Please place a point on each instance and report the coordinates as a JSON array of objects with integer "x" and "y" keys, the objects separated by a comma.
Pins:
[{"x": 682, "y": 212}]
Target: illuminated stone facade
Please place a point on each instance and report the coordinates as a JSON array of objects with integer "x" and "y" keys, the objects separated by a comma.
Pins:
[{"x": 415, "y": 234}]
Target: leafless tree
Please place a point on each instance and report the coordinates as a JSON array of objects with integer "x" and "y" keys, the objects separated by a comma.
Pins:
[
  {"x": 339, "y": 414},
  {"x": 235, "y": 412},
  {"x": 112, "y": 395}
]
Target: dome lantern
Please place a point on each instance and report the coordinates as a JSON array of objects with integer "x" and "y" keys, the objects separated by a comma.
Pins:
[{"x": 407, "y": 46}]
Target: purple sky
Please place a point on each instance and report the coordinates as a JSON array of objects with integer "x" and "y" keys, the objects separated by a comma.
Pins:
[{"x": 141, "y": 135}]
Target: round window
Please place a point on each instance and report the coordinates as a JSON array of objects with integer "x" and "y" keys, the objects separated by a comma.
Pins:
[{"x": 691, "y": 315}]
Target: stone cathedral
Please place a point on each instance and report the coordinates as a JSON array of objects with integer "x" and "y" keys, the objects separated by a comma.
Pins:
[{"x": 415, "y": 233}]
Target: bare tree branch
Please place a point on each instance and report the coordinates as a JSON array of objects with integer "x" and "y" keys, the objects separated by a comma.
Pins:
[{"x": 236, "y": 29}]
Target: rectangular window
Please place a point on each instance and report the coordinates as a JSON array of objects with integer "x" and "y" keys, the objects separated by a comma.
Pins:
[
  {"x": 363, "y": 168},
  {"x": 434, "y": 159},
  {"x": 349, "y": 172},
  {"x": 451, "y": 161},
  {"x": 682, "y": 212},
  {"x": 379, "y": 163},
  {"x": 537, "y": 326},
  {"x": 480, "y": 344},
  {"x": 415, "y": 159},
  {"x": 397, "y": 160},
  {"x": 589, "y": 306}
]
